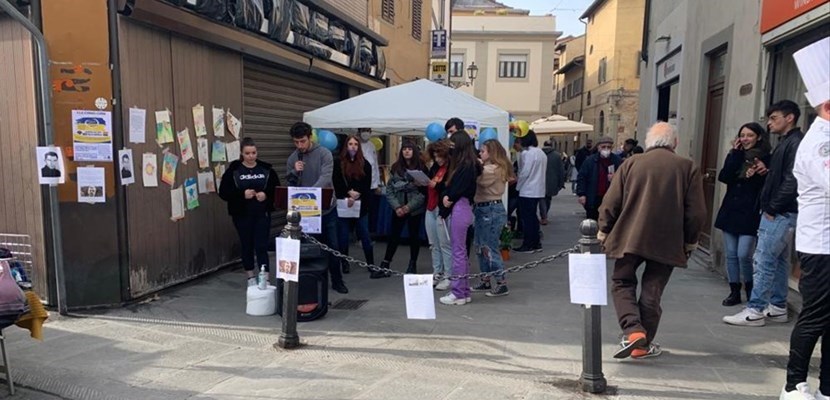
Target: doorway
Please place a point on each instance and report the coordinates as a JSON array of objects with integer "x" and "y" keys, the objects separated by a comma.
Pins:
[{"x": 711, "y": 136}]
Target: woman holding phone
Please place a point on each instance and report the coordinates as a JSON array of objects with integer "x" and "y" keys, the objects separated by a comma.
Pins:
[{"x": 739, "y": 215}]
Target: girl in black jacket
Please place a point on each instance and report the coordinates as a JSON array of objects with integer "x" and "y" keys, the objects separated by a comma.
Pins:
[
  {"x": 248, "y": 186},
  {"x": 739, "y": 214},
  {"x": 352, "y": 178}
]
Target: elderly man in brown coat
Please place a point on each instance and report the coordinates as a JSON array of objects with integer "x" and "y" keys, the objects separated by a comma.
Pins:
[{"x": 653, "y": 212}]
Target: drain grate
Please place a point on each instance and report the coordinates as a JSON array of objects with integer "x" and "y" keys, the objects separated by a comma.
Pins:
[{"x": 347, "y": 304}]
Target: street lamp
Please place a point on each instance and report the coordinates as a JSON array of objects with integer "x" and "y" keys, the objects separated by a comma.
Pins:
[{"x": 472, "y": 74}]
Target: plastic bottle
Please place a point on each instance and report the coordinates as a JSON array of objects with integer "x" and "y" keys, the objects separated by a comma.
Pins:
[{"x": 262, "y": 283}]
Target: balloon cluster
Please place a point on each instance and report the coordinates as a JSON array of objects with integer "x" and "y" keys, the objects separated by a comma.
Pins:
[
  {"x": 519, "y": 128},
  {"x": 324, "y": 138}
]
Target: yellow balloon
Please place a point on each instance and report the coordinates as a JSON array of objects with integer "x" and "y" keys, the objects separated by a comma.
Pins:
[
  {"x": 521, "y": 128},
  {"x": 377, "y": 142},
  {"x": 314, "y": 136}
]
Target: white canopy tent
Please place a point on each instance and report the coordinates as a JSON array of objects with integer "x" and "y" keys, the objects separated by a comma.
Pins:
[
  {"x": 402, "y": 109},
  {"x": 559, "y": 124}
]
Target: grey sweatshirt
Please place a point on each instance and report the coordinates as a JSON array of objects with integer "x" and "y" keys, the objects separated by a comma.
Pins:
[{"x": 319, "y": 164}]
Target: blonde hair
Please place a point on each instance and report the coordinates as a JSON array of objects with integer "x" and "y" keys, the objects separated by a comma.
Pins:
[{"x": 498, "y": 156}]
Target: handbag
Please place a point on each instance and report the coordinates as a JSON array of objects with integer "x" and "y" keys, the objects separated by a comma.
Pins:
[{"x": 12, "y": 299}]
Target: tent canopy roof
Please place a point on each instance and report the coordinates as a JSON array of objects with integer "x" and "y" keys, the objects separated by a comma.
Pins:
[
  {"x": 406, "y": 107},
  {"x": 559, "y": 124}
]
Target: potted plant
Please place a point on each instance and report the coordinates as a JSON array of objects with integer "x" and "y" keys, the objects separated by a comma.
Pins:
[{"x": 505, "y": 242}]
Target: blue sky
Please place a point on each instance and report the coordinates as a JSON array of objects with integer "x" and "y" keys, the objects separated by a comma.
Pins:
[{"x": 567, "y": 12}]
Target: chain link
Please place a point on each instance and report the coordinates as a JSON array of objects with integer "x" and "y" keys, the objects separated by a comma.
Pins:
[{"x": 480, "y": 275}]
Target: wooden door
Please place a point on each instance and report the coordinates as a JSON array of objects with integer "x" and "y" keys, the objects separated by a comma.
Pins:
[{"x": 711, "y": 138}]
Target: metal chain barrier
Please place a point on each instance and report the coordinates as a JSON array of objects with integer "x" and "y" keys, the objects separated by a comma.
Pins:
[{"x": 480, "y": 275}]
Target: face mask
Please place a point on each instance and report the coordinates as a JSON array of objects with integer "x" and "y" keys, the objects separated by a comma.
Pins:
[
  {"x": 605, "y": 153},
  {"x": 364, "y": 136},
  {"x": 352, "y": 153}
]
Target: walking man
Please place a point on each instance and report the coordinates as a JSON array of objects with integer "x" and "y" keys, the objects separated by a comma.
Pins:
[
  {"x": 554, "y": 180},
  {"x": 594, "y": 177},
  {"x": 531, "y": 187},
  {"x": 311, "y": 166},
  {"x": 812, "y": 234},
  {"x": 768, "y": 301},
  {"x": 583, "y": 153},
  {"x": 657, "y": 186}
]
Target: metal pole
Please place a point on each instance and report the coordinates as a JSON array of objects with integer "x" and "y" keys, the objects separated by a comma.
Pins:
[
  {"x": 592, "y": 379},
  {"x": 54, "y": 223},
  {"x": 289, "y": 338}
]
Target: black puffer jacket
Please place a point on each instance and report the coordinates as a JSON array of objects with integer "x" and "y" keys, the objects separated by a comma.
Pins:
[{"x": 780, "y": 191}]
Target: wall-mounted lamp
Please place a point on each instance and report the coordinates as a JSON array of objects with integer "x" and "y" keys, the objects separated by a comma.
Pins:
[{"x": 472, "y": 74}]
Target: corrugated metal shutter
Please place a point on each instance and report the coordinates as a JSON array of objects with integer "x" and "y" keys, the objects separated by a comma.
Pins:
[{"x": 274, "y": 99}]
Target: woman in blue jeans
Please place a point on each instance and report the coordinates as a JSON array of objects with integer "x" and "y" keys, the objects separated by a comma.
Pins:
[
  {"x": 490, "y": 216},
  {"x": 352, "y": 179},
  {"x": 439, "y": 244},
  {"x": 739, "y": 215}
]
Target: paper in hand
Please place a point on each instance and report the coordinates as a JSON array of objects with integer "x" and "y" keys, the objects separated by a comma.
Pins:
[
  {"x": 421, "y": 179},
  {"x": 344, "y": 211}
]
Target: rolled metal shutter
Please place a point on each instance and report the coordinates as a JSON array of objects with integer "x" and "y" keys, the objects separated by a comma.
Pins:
[{"x": 274, "y": 99}]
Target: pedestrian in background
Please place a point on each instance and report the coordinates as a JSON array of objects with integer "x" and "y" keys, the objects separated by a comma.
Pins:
[
  {"x": 739, "y": 215},
  {"x": 531, "y": 187},
  {"x": 248, "y": 187},
  {"x": 812, "y": 235},
  {"x": 352, "y": 179},
  {"x": 595, "y": 175},
  {"x": 653, "y": 213},
  {"x": 490, "y": 216},
  {"x": 436, "y": 227},
  {"x": 583, "y": 153},
  {"x": 768, "y": 301},
  {"x": 630, "y": 148},
  {"x": 554, "y": 181},
  {"x": 458, "y": 200},
  {"x": 408, "y": 203}
]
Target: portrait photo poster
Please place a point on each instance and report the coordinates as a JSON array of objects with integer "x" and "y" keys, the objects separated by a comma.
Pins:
[
  {"x": 125, "y": 170},
  {"x": 288, "y": 259},
  {"x": 91, "y": 185},
  {"x": 50, "y": 165}
]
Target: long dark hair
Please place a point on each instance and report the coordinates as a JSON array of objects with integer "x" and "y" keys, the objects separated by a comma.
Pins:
[
  {"x": 352, "y": 169},
  {"x": 462, "y": 155},
  {"x": 763, "y": 139},
  {"x": 401, "y": 165}
]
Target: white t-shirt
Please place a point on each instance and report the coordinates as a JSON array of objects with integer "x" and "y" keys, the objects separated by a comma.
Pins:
[
  {"x": 812, "y": 170},
  {"x": 532, "y": 167},
  {"x": 371, "y": 155}
]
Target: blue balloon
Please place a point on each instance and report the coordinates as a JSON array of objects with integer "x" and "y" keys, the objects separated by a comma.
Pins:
[
  {"x": 488, "y": 134},
  {"x": 435, "y": 132},
  {"x": 327, "y": 139}
]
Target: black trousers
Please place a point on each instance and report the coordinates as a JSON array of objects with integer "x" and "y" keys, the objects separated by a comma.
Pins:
[
  {"x": 592, "y": 211},
  {"x": 253, "y": 233},
  {"x": 414, "y": 224},
  {"x": 813, "y": 322}
]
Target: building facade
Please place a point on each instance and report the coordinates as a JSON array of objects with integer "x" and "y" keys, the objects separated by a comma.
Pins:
[
  {"x": 711, "y": 67},
  {"x": 514, "y": 53},
  {"x": 569, "y": 81},
  {"x": 114, "y": 57},
  {"x": 613, "y": 38}
]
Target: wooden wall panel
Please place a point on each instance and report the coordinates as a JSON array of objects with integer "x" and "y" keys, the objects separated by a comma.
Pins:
[
  {"x": 20, "y": 197},
  {"x": 161, "y": 71}
]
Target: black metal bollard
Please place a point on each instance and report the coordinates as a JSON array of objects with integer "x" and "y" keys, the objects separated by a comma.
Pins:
[
  {"x": 289, "y": 338},
  {"x": 592, "y": 379}
]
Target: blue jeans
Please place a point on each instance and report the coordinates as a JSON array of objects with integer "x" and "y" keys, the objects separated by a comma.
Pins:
[
  {"x": 361, "y": 226},
  {"x": 439, "y": 244},
  {"x": 738, "y": 257},
  {"x": 772, "y": 262},
  {"x": 488, "y": 223}
]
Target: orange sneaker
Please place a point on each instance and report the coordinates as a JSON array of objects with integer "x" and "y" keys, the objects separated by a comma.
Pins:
[
  {"x": 634, "y": 340},
  {"x": 653, "y": 350}
]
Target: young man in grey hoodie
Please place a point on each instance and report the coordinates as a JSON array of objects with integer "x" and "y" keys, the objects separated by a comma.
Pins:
[{"x": 311, "y": 166}]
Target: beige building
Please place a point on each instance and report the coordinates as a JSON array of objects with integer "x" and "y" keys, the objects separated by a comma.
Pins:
[
  {"x": 406, "y": 25},
  {"x": 568, "y": 85},
  {"x": 614, "y": 32},
  {"x": 514, "y": 54}
]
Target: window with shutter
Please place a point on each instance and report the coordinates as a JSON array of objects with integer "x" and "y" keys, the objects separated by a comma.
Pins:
[
  {"x": 387, "y": 10},
  {"x": 417, "y": 6},
  {"x": 512, "y": 65}
]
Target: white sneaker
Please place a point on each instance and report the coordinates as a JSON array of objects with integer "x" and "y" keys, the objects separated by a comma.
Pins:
[
  {"x": 801, "y": 392},
  {"x": 821, "y": 396},
  {"x": 443, "y": 285},
  {"x": 776, "y": 314},
  {"x": 747, "y": 317},
  {"x": 450, "y": 299}
]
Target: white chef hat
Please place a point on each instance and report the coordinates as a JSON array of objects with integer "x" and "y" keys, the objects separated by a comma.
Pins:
[{"x": 813, "y": 63}]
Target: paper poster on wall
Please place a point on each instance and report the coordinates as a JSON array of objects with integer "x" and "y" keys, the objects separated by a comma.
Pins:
[
  {"x": 50, "y": 165},
  {"x": 186, "y": 148},
  {"x": 92, "y": 135},
  {"x": 234, "y": 125},
  {"x": 164, "y": 128},
  {"x": 149, "y": 170},
  {"x": 191, "y": 193},
  {"x": 288, "y": 259},
  {"x": 125, "y": 162},
  {"x": 199, "y": 120},
  {"x": 138, "y": 125},
  {"x": 176, "y": 204},
  {"x": 218, "y": 153},
  {"x": 233, "y": 150},
  {"x": 308, "y": 201},
  {"x": 91, "y": 185},
  {"x": 218, "y": 122},
  {"x": 168, "y": 168},
  {"x": 202, "y": 150},
  {"x": 207, "y": 184},
  {"x": 219, "y": 171}
]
